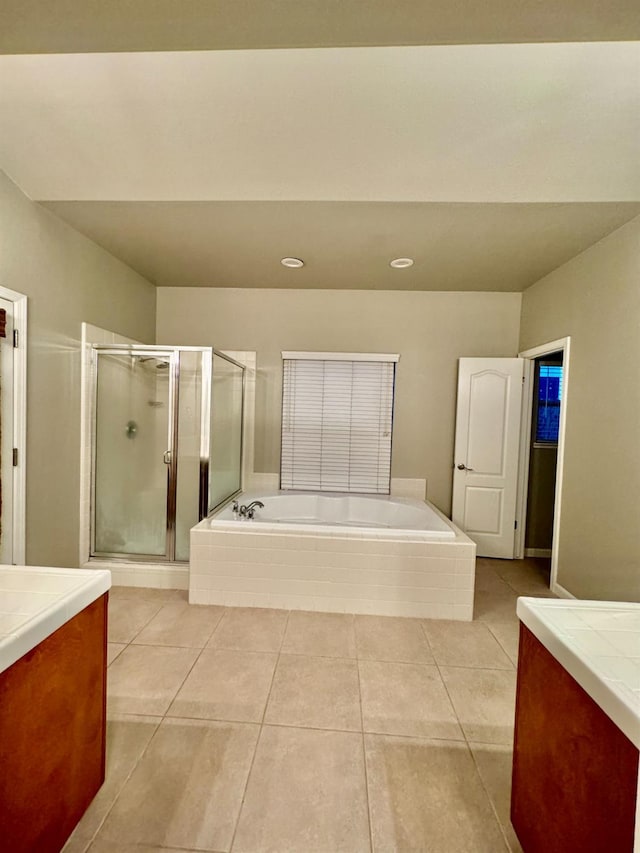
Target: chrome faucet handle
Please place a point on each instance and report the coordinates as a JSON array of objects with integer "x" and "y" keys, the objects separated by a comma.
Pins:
[
  {"x": 250, "y": 512},
  {"x": 235, "y": 506}
]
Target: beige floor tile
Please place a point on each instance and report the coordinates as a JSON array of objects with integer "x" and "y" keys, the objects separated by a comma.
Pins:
[
  {"x": 101, "y": 846},
  {"x": 495, "y": 607},
  {"x": 494, "y": 763},
  {"x": 226, "y": 685},
  {"x": 427, "y": 796},
  {"x": 320, "y": 635},
  {"x": 465, "y": 644},
  {"x": 484, "y": 700},
  {"x": 251, "y": 629},
  {"x": 507, "y": 634},
  {"x": 178, "y": 623},
  {"x": 127, "y": 617},
  {"x": 141, "y": 593},
  {"x": 76, "y": 843},
  {"x": 406, "y": 699},
  {"x": 144, "y": 679},
  {"x": 127, "y": 738},
  {"x": 532, "y": 567},
  {"x": 487, "y": 563},
  {"x": 306, "y": 794},
  {"x": 526, "y": 577},
  {"x": 388, "y": 638},
  {"x": 186, "y": 791},
  {"x": 113, "y": 650},
  {"x": 488, "y": 580},
  {"x": 318, "y": 692}
]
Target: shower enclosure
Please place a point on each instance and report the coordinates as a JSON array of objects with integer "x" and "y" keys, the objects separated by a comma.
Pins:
[{"x": 167, "y": 447}]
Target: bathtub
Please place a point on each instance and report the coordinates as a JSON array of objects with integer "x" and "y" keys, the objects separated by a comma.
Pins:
[{"x": 336, "y": 553}]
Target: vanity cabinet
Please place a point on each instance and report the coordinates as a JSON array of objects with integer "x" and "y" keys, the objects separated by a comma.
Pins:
[
  {"x": 577, "y": 731},
  {"x": 52, "y": 704}
]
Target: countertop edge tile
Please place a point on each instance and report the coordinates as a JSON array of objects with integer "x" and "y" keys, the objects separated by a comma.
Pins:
[
  {"x": 92, "y": 583},
  {"x": 617, "y": 698}
]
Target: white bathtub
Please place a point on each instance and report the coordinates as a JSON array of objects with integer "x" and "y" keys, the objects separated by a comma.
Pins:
[
  {"x": 283, "y": 511},
  {"x": 336, "y": 553}
]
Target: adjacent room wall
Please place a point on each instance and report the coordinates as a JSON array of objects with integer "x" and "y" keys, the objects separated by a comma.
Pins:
[
  {"x": 595, "y": 299},
  {"x": 429, "y": 330},
  {"x": 68, "y": 279}
]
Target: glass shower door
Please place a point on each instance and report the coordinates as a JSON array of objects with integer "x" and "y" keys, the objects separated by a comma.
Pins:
[
  {"x": 225, "y": 460},
  {"x": 134, "y": 466}
]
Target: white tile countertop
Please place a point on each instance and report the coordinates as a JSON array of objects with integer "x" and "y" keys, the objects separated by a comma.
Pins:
[
  {"x": 598, "y": 643},
  {"x": 35, "y": 601}
]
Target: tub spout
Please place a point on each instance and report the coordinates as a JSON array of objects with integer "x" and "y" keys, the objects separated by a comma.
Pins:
[{"x": 247, "y": 511}]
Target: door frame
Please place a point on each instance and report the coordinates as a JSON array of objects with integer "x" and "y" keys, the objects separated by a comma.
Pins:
[
  {"x": 19, "y": 486},
  {"x": 530, "y": 355}
]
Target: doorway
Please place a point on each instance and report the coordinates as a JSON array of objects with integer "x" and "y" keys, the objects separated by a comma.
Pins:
[
  {"x": 542, "y": 453},
  {"x": 13, "y": 319}
]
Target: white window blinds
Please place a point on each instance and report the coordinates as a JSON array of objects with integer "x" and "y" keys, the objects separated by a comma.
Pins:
[{"x": 337, "y": 418}]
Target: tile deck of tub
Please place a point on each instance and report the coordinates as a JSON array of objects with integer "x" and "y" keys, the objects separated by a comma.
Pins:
[{"x": 239, "y": 729}]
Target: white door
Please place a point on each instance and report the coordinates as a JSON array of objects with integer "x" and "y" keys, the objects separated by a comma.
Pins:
[
  {"x": 6, "y": 437},
  {"x": 486, "y": 452}
]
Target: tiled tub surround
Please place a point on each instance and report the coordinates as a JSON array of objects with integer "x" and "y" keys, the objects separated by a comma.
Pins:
[{"x": 306, "y": 565}]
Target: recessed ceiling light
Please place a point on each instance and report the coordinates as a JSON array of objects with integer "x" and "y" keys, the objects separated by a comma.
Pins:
[
  {"x": 401, "y": 263},
  {"x": 292, "y": 263}
]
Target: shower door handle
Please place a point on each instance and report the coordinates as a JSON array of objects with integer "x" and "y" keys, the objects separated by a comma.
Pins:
[{"x": 167, "y": 457}]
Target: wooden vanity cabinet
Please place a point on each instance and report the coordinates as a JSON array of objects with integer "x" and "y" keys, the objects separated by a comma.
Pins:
[{"x": 52, "y": 733}]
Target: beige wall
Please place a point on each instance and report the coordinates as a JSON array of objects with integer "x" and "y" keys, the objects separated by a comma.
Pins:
[
  {"x": 68, "y": 279},
  {"x": 595, "y": 298},
  {"x": 541, "y": 497},
  {"x": 430, "y": 331}
]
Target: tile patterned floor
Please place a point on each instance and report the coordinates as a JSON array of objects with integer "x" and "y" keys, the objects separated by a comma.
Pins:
[{"x": 261, "y": 730}]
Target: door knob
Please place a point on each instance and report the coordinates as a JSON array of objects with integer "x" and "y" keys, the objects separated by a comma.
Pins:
[{"x": 462, "y": 467}]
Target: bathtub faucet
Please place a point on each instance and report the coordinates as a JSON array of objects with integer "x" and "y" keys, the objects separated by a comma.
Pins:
[{"x": 249, "y": 511}]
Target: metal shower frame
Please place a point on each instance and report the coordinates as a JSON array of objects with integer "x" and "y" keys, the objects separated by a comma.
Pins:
[{"x": 173, "y": 354}]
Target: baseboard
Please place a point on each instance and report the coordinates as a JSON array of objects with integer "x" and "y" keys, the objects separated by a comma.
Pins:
[
  {"x": 537, "y": 552},
  {"x": 154, "y": 576},
  {"x": 560, "y": 591}
]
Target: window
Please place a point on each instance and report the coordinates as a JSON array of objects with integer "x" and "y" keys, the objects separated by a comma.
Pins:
[
  {"x": 337, "y": 418},
  {"x": 547, "y": 401}
]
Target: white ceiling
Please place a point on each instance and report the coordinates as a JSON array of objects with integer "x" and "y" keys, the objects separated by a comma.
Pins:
[
  {"x": 519, "y": 125},
  {"x": 497, "y": 123}
]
